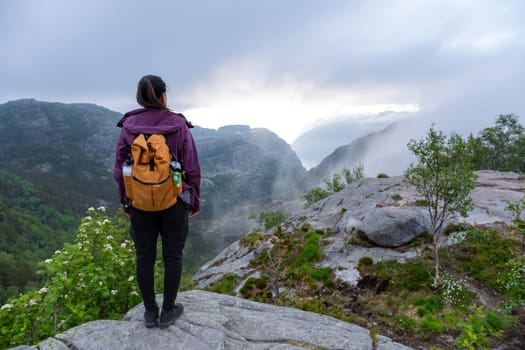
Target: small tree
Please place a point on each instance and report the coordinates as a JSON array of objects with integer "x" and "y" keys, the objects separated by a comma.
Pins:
[
  {"x": 501, "y": 147},
  {"x": 269, "y": 219},
  {"x": 444, "y": 178},
  {"x": 337, "y": 183},
  {"x": 517, "y": 210}
]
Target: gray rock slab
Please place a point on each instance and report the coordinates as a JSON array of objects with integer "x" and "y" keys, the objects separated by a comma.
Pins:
[
  {"x": 218, "y": 322},
  {"x": 52, "y": 344}
]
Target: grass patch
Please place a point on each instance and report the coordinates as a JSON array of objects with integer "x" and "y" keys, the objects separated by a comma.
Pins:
[
  {"x": 250, "y": 239},
  {"x": 226, "y": 285}
]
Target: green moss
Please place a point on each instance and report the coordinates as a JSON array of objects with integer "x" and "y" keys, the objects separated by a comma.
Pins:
[
  {"x": 413, "y": 275},
  {"x": 365, "y": 261},
  {"x": 431, "y": 324},
  {"x": 430, "y": 305},
  {"x": 382, "y": 176},
  {"x": 250, "y": 239},
  {"x": 421, "y": 202},
  {"x": 404, "y": 322},
  {"x": 396, "y": 197},
  {"x": 255, "y": 288},
  {"x": 483, "y": 255},
  {"x": 306, "y": 227},
  {"x": 226, "y": 285}
]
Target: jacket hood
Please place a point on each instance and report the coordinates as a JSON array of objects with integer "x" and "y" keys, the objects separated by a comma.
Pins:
[{"x": 152, "y": 121}]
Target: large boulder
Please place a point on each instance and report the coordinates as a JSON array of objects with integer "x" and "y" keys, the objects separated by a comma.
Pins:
[
  {"x": 213, "y": 321},
  {"x": 393, "y": 227}
]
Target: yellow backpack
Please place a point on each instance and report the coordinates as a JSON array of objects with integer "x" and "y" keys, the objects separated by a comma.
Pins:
[{"x": 151, "y": 184}]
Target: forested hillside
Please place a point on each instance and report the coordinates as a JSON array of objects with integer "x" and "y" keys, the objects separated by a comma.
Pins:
[
  {"x": 30, "y": 230},
  {"x": 65, "y": 150}
]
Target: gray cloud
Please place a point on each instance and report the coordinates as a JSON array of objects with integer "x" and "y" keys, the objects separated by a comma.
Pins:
[{"x": 461, "y": 62}]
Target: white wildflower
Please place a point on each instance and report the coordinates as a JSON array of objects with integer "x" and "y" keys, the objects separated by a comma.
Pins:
[
  {"x": 47, "y": 261},
  {"x": 42, "y": 290},
  {"x": 130, "y": 278},
  {"x": 121, "y": 263},
  {"x": 10, "y": 306},
  {"x": 109, "y": 237},
  {"x": 105, "y": 221},
  {"x": 123, "y": 245},
  {"x": 65, "y": 296},
  {"x": 108, "y": 246},
  {"x": 100, "y": 283},
  {"x": 101, "y": 209},
  {"x": 31, "y": 302},
  {"x": 97, "y": 231},
  {"x": 57, "y": 252},
  {"x": 88, "y": 217},
  {"x": 91, "y": 209},
  {"x": 65, "y": 262},
  {"x": 134, "y": 293},
  {"x": 114, "y": 291}
]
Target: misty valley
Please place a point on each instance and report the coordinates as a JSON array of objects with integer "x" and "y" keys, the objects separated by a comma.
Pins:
[{"x": 263, "y": 211}]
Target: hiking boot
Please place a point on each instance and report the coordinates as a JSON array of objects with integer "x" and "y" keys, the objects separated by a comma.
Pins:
[
  {"x": 168, "y": 317},
  {"x": 151, "y": 318}
]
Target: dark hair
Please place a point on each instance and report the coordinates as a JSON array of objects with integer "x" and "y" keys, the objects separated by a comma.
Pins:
[{"x": 150, "y": 90}]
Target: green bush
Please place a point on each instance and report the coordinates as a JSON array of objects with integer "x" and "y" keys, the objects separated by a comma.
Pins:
[
  {"x": 268, "y": 219},
  {"x": 479, "y": 326},
  {"x": 412, "y": 276},
  {"x": 89, "y": 279},
  {"x": 226, "y": 285},
  {"x": 365, "y": 261},
  {"x": 250, "y": 239},
  {"x": 337, "y": 183},
  {"x": 483, "y": 255},
  {"x": 255, "y": 288}
]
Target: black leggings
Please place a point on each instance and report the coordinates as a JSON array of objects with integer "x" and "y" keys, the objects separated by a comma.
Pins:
[{"x": 172, "y": 224}]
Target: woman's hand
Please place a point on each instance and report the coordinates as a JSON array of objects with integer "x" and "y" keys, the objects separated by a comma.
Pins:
[{"x": 193, "y": 213}]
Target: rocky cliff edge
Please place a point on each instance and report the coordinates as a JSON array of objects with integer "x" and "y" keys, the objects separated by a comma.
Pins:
[{"x": 214, "y": 321}]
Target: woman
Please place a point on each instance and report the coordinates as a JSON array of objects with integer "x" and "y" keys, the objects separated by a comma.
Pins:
[{"x": 172, "y": 224}]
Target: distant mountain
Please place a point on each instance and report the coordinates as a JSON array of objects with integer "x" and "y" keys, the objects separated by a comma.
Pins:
[
  {"x": 380, "y": 151},
  {"x": 65, "y": 150},
  {"x": 315, "y": 144}
]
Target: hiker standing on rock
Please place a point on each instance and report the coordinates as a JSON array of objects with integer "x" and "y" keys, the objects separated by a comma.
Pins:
[{"x": 158, "y": 175}]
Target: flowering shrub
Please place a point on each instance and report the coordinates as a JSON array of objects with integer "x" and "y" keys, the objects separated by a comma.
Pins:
[
  {"x": 512, "y": 281},
  {"x": 91, "y": 278},
  {"x": 454, "y": 292}
]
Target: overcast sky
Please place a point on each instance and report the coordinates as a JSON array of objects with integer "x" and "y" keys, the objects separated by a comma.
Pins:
[{"x": 284, "y": 65}]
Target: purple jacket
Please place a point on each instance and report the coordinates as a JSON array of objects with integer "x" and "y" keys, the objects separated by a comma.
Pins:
[{"x": 179, "y": 139}]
